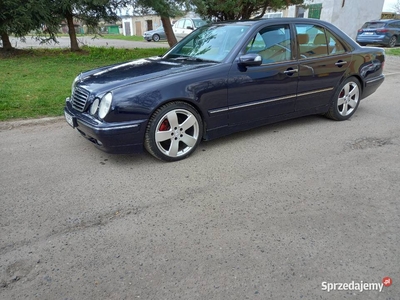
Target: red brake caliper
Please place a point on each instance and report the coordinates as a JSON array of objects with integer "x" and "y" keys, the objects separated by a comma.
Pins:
[{"x": 164, "y": 125}]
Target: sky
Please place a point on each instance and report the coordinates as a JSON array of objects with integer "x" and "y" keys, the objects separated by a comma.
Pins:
[{"x": 388, "y": 6}]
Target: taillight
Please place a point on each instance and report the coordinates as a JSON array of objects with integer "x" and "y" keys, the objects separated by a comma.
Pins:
[{"x": 382, "y": 30}]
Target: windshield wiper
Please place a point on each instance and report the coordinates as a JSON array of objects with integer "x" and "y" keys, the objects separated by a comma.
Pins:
[{"x": 193, "y": 58}]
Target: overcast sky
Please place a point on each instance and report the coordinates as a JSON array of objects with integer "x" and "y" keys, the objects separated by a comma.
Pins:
[{"x": 388, "y": 6}]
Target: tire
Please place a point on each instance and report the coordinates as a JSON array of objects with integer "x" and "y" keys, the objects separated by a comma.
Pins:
[
  {"x": 156, "y": 37},
  {"x": 345, "y": 100},
  {"x": 392, "y": 42},
  {"x": 174, "y": 131}
]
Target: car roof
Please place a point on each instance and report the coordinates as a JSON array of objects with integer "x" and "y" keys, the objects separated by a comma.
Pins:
[
  {"x": 276, "y": 20},
  {"x": 382, "y": 20}
]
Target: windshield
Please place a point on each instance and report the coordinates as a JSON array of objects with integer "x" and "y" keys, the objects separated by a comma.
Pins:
[{"x": 211, "y": 43}]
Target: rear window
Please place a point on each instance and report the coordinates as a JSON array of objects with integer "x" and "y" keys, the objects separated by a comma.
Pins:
[{"x": 374, "y": 25}]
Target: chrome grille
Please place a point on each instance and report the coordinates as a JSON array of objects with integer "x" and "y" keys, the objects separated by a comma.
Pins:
[{"x": 79, "y": 99}]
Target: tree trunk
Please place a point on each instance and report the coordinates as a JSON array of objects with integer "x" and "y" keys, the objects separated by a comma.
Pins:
[
  {"x": 168, "y": 31},
  {"x": 6, "y": 41},
  {"x": 71, "y": 32}
]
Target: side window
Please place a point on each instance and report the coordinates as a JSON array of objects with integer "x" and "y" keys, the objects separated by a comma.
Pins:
[
  {"x": 180, "y": 23},
  {"x": 312, "y": 41},
  {"x": 272, "y": 43},
  {"x": 188, "y": 23},
  {"x": 334, "y": 45}
]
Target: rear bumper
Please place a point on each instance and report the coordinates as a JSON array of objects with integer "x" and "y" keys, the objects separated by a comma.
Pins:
[
  {"x": 123, "y": 137},
  {"x": 372, "y": 85},
  {"x": 381, "y": 40}
]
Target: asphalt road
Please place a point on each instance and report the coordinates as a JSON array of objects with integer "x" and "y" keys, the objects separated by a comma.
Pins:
[{"x": 270, "y": 213}]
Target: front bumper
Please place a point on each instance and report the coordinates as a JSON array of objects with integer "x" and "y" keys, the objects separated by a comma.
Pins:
[{"x": 121, "y": 137}]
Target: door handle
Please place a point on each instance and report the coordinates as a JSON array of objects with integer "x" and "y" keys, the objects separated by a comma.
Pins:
[
  {"x": 340, "y": 63},
  {"x": 290, "y": 71}
]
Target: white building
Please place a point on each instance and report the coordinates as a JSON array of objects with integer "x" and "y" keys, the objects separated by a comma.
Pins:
[{"x": 348, "y": 15}]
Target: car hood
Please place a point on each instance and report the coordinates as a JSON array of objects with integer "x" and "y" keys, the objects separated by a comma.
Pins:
[{"x": 108, "y": 78}]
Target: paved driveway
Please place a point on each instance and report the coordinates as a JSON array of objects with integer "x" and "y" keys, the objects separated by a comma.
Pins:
[
  {"x": 64, "y": 42},
  {"x": 277, "y": 212}
]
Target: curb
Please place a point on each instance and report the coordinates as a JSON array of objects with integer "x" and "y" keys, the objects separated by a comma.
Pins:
[{"x": 8, "y": 125}]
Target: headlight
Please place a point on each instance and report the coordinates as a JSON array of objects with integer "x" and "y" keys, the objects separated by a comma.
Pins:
[
  {"x": 94, "y": 106},
  {"x": 77, "y": 78},
  {"x": 105, "y": 105}
]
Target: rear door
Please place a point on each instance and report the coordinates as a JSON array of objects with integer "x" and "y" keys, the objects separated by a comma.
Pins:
[
  {"x": 178, "y": 29},
  {"x": 323, "y": 60}
]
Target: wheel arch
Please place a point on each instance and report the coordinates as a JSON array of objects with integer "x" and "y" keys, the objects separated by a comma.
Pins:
[{"x": 355, "y": 75}]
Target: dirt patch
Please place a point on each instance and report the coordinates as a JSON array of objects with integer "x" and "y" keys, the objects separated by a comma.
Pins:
[{"x": 368, "y": 142}]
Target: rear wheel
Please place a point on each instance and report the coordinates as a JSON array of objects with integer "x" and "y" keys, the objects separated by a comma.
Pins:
[
  {"x": 156, "y": 37},
  {"x": 392, "y": 42},
  {"x": 345, "y": 100},
  {"x": 173, "y": 132}
]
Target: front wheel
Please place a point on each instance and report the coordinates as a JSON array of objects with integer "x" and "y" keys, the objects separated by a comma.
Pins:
[
  {"x": 345, "y": 100},
  {"x": 156, "y": 37},
  {"x": 173, "y": 132}
]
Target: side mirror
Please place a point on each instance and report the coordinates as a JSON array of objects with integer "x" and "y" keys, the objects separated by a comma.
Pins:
[
  {"x": 189, "y": 27},
  {"x": 250, "y": 59}
]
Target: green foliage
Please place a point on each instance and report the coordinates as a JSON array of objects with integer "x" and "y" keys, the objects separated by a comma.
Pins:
[
  {"x": 35, "y": 83},
  {"x": 164, "y": 8},
  {"x": 21, "y": 16},
  {"x": 223, "y": 10}
]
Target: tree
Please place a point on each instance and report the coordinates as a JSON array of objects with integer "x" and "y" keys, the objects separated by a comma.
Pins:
[
  {"x": 166, "y": 9},
  {"x": 396, "y": 7},
  {"x": 19, "y": 17},
  {"x": 88, "y": 11},
  {"x": 224, "y": 10}
]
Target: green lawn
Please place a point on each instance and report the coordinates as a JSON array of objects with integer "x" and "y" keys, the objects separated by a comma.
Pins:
[
  {"x": 35, "y": 83},
  {"x": 393, "y": 51},
  {"x": 123, "y": 37}
]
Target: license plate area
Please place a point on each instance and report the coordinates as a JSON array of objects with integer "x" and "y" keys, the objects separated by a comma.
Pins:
[{"x": 70, "y": 119}]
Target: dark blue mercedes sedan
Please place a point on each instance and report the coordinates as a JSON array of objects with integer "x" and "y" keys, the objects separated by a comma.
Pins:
[{"x": 223, "y": 78}]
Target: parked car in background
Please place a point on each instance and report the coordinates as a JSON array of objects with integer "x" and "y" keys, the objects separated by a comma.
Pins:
[
  {"x": 223, "y": 78},
  {"x": 185, "y": 26},
  {"x": 155, "y": 34},
  {"x": 380, "y": 32}
]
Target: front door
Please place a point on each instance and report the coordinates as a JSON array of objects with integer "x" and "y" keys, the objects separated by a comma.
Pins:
[{"x": 258, "y": 92}]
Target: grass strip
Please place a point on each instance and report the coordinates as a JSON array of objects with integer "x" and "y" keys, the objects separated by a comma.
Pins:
[{"x": 34, "y": 83}]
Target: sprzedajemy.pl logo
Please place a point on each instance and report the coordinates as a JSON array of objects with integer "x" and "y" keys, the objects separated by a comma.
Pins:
[{"x": 356, "y": 286}]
